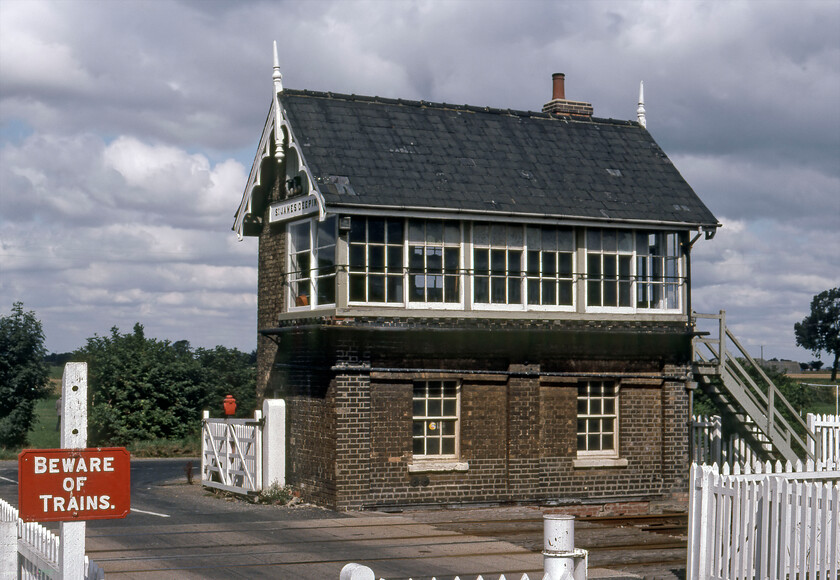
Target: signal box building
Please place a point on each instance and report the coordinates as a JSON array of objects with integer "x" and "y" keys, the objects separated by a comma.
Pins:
[{"x": 464, "y": 304}]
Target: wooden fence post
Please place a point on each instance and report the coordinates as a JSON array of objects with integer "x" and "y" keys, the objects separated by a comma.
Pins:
[{"x": 71, "y": 555}]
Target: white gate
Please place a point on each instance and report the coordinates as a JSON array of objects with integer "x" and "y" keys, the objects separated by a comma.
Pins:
[
  {"x": 231, "y": 453},
  {"x": 780, "y": 525},
  {"x": 245, "y": 455}
]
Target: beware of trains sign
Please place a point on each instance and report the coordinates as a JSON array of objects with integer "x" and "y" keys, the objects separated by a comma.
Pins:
[{"x": 62, "y": 485}]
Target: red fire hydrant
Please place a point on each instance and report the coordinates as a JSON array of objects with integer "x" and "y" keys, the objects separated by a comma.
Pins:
[{"x": 230, "y": 405}]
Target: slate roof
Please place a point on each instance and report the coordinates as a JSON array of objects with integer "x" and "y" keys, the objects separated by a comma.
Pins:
[{"x": 395, "y": 154}]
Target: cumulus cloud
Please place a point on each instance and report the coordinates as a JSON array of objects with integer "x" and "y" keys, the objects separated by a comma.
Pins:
[{"x": 123, "y": 154}]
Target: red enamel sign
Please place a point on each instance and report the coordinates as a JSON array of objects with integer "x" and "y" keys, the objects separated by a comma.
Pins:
[{"x": 65, "y": 485}]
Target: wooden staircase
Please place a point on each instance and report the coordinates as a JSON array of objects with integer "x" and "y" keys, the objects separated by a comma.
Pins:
[{"x": 751, "y": 406}]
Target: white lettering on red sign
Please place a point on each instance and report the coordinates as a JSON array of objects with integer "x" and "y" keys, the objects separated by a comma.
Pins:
[{"x": 72, "y": 464}]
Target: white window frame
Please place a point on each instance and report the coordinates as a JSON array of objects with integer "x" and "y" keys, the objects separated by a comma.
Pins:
[
  {"x": 443, "y": 245},
  {"x": 430, "y": 419},
  {"x": 386, "y": 273},
  {"x": 313, "y": 276},
  {"x": 634, "y": 255},
  {"x": 533, "y": 246},
  {"x": 593, "y": 414}
]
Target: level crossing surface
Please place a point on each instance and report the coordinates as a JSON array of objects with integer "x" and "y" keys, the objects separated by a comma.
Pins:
[{"x": 177, "y": 530}]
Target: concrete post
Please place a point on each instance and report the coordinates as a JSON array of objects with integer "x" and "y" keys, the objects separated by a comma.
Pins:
[
  {"x": 561, "y": 561},
  {"x": 71, "y": 553},
  {"x": 274, "y": 443}
]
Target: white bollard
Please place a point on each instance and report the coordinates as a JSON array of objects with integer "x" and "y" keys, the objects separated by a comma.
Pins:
[
  {"x": 354, "y": 571},
  {"x": 71, "y": 553},
  {"x": 561, "y": 561}
]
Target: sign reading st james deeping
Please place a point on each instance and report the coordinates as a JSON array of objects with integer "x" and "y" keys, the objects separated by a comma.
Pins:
[
  {"x": 280, "y": 212},
  {"x": 74, "y": 484}
]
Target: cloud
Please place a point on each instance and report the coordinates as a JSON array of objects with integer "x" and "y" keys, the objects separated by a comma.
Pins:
[{"x": 124, "y": 152}]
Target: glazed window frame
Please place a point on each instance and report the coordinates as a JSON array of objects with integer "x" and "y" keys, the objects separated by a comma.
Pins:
[
  {"x": 311, "y": 264},
  {"x": 436, "y": 419},
  {"x": 376, "y": 261},
  {"x": 598, "y": 419},
  {"x": 633, "y": 271}
]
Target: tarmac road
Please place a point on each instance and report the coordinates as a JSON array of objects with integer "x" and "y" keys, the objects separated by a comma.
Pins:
[{"x": 176, "y": 530}]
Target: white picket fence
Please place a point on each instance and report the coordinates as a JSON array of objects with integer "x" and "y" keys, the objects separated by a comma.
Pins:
[
  {"x": 772, "y": 523},
  {"x": 245, "y": 455},
  {"x": 37, "y": 549},
  {"x": 826, "y": 430},
  {"x": 711, "y": 445}
]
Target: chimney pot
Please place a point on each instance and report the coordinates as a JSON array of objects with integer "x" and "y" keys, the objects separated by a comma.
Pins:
[{"x": 559, "y": 86}]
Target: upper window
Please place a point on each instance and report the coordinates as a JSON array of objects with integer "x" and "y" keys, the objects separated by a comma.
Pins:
[
  {"x": 627, "y": 269},
  {"x": 657, "y": 270},
  {"x": 435, "y": 418},
  {"x": 550, "y": 266},
  {"x": 597, "y": 419},
  {"x": 434, "y": 261},
  {"x": 312, "y": 262},
  {"x": 497, "y": 263},
  {"x": 376, "y": 260}
]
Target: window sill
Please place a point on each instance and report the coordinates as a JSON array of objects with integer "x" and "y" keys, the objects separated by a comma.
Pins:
[
  {"x": 599, "y": 462},
  {"x": 428, "y": 465}
]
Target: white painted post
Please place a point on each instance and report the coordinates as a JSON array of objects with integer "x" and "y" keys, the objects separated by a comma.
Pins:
[
  {"x": 561, "y": 561},
  {"x": 71, "y": 554},
  {"x": 355, "y": 571},
  {"x": 8, "y": 546},
  {"x": 274, "y": 443}
]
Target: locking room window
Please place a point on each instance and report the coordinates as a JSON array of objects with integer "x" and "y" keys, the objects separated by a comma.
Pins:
[{"x": 435, "y": 418}]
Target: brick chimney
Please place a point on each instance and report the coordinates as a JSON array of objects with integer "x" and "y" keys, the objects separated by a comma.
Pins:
[{"x": 558, "y": 103}]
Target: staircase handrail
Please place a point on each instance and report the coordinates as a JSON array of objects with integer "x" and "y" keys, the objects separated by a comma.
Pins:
[{"x": 767, "y": 401}]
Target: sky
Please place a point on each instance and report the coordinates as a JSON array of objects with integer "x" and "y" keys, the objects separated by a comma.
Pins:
[{"x": 127, "y": 131}]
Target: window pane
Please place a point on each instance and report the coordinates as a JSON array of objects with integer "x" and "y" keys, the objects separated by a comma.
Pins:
[
  {"x": 565, "y": 293},
  {"x": 395, "y": 289},
  {"x": 481, "y": 234},
  {"x": 416, "y": 231},
  {"x": 326, "y": 232},
  {"x": 357, "y": 230},
  {"x": 610, "y": 294},
  {"x": 593, "y": 294},
  {"x": 434, "y": 232},
  {"x": 498, "y": 235},
  {"x": 395, "y": 259},
  {"x": 593, "y": 240},
  {"x": 533, "y": 265},
  {"x": 395, "y": 231},
  {"x": 497, "y": 261},
  {"x": 376, "y": 258},
  {"x": 449, "y": 407},
  {"x": 432, "y": 446},
  {"x": 515, "y": 239},
  {"x": 481, "y": 287},
  {"x": 452, "y": 233},
  {"x": 565, "y": 239},
  {"x": 482, "y": 261},
  {"x": 435, "y": 408},
  {"x": 448, "y": 446},
  {"x": 357, "y": 287},
  {"x": 451, "y": 259},
  {"x": 450, "y": 289},
  {"x": 593, "y": 265},
  {"x": 376, "y": 230},
  {"x": 625, "y": 241},
  {"x": 533, "y": 236},
  {"x": 564, "y": 265},
  {"x": 609, "y": 240},
  {"x": 418, "y": 448},
  {"x": 357, "y": 257},
  {"x": 549, "y": 263},
  {"x": 326, "y": 290},
  {"x": 514, "y": 291},
  {"x": 497, "y": 290},
  {"x": 533, "y": 291},
  {"x": 376, "y": 289}
]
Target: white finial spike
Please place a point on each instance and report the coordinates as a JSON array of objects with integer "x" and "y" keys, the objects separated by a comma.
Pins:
[
  {"x": 278, "y": 78},
  {"x": 640, "y": 112}
]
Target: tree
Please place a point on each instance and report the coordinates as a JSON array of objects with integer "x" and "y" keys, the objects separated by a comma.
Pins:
[
  {"x": 820, "y": 330},
  {"x": 24, "y": 376},
  {"x": 142, "y": 389}
]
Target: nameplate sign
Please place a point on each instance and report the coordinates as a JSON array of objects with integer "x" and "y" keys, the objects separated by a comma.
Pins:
[{"x": 293, "y": 208}]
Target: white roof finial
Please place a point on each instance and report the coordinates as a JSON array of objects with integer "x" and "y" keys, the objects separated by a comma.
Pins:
[
  {"x": 640, "y": 112},
  {"x": 278, "y": 78}
]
